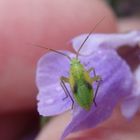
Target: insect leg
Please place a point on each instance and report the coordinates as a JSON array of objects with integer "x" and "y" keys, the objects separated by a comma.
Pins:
[
  {"x": 98, "y": 79},
  {"x": 92, "y": 69},
  {"x": 98, "y": 85},
  {"x": 63, "y": 80},
  {"x": 66, "y": 80}
]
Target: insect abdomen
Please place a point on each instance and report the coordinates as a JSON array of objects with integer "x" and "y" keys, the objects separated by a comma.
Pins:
[
  {"x": 83, "y": 94},
  {"x": 80, "y": 85}
]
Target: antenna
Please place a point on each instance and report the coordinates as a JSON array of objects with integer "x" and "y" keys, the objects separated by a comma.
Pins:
[
  {"x": 77, "y": 54},
  {"x": 53, "y": 50}
]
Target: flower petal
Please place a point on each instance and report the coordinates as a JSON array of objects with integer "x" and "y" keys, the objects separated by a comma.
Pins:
[
  {"x": 132, "y": 103},
  {"x": 96, "y": 41},
  {"x": 117, "y": 83},
  {"x": 129, "y": 107},
  {"x": 49, "y": 70}
]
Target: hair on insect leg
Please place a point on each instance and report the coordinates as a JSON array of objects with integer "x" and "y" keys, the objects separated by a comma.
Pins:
[{"x": 67, "y": 93}]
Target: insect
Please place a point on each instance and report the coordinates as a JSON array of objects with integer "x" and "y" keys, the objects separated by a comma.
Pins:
[{"x": 79, "y": 80}]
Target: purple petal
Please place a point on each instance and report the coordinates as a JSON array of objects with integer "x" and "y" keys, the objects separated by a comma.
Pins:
[
  {"x": 130, "y": 106},
  {"x": 132, "y": 103},
  {"x": 96, "y": 41},
  {"x": 49, "y": 70},
  {"x": 117, "y": 84}
]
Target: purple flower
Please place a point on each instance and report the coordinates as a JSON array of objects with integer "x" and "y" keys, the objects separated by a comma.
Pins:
[{"x": 119, "y": 84}]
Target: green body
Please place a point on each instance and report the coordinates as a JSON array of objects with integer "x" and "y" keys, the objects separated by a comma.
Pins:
[
  {"x": 79, "y": 79},
  {"x": 81, "y": 84}
]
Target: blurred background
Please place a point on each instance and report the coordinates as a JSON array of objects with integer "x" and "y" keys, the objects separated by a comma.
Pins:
[
  {"x": 125, "y": 8},
  {"x": 127, "y": 12}
]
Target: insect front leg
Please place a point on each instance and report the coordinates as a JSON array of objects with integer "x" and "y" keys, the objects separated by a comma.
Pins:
[{"x": 62, "y": 83}]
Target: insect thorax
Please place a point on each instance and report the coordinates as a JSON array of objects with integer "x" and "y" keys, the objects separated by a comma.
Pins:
[{"x": 77, "y": 69}]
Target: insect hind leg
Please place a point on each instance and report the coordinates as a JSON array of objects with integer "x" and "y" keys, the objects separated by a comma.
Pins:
[
  {"x": 96, "y": 91},
  {"x": 62, "y": 83},
  {"x": 97, "y": 79}
]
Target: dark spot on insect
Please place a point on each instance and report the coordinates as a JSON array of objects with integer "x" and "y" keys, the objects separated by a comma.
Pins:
[
  {"x": 75, "y": 88},
  {"x": 88, "y": 85}
]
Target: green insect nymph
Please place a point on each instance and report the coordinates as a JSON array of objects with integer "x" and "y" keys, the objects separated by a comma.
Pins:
[
  {"x": 80, "y": 80},
  {"x": 81, "y": 84}
]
